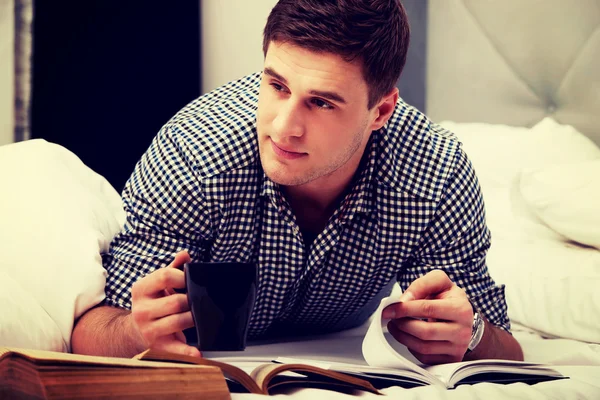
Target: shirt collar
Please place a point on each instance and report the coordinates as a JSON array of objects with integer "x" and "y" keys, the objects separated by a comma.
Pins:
[{"x": 358, "y": 200}]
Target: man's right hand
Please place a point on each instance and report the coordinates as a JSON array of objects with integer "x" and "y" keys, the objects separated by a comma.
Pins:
[{"x": 158, "y": 313}]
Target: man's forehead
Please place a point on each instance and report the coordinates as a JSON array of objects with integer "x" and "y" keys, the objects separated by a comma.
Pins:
[
  {"x": 305, "y": 58},
  {"x": 293, "y": 64}
]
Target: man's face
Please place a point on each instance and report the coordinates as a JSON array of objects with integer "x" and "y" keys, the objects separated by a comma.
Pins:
[{"x": 313, "y": 122}]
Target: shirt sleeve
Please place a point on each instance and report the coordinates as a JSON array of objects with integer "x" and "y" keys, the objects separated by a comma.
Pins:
[
  {"x": 165, "y": 212},
  {"x": 457, "y": 242}
]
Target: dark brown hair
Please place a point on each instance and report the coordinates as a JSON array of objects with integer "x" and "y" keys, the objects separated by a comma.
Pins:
[{"x": 374, "y": 32}]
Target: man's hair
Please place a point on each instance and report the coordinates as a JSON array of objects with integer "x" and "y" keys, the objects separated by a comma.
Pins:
[{"x": 373, "y": 32}]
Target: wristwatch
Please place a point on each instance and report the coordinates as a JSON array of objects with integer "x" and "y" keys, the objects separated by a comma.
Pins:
[{"x": 478, "y": 327}]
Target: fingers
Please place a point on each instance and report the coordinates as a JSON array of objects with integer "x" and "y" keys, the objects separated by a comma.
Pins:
[
  {"x": 427, "y": 351},
  {"x": 173, "y": 344},
  {"x": 151, "y": 331},
  {"x": 453, "y": 309},
  {"x": 433, "y": 282},
  {"x": 154, "y": 284},
  {"x": 159, "y": 313},
  {"x": 180, "y": 258},
  {"x": 433, "y": 319},
  {"x": 432, "y": 330},
  {"x": 418, "y": 345},
  {"x": 433, "y": 359},
  {"x": 163, "y": 280},
  {"x": 161, "y": 307},
  {"x": 180, "y": 336}
]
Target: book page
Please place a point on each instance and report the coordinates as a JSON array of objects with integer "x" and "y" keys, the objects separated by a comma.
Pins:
[
  {"x": 378, "y": 352},
  {"x": 230, "y": 371},
  {"x": 363, "y": 371},
  {"x": 3, "y": 352},
  {"x": 51, "y": 357},
  {"x": 264, "y": 374},
  {"x": 455, "y": 372},
  {"x": 477, "y": 365}
]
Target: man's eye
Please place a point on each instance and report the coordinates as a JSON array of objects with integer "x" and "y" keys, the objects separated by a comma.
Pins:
[
  {"x": 277, "y": 87},
  {"x": 322, "y": 104}
]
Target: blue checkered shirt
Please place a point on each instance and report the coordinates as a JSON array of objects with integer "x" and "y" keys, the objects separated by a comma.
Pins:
[{"x": 415, "y": 205}]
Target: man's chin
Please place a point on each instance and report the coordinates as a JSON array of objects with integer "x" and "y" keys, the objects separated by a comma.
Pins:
[{"x": 279, "y": 175}]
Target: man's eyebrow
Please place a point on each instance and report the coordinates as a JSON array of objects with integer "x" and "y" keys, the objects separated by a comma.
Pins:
[
  {"x": 329, "y": 95},
  {"x": 271, "y": 71},
  {"x": 325, "y": 94}
]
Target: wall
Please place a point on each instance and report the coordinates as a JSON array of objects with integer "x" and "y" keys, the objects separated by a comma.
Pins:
[
  {"x": 231, "y": 39},
  {"x": 7, "y": 86}
]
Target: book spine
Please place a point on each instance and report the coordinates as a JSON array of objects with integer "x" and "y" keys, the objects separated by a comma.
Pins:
[{"x": 19, "y": 380}]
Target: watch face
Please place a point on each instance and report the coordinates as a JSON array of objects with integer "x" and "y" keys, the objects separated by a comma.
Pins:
[{"x": 478, "y": 327}]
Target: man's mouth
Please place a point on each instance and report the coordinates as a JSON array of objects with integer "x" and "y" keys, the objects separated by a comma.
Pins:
[{"x": 285, "y": 152}]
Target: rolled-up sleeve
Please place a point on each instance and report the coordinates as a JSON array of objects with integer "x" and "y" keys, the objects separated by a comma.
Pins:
[{"x": 457, "y": 242}]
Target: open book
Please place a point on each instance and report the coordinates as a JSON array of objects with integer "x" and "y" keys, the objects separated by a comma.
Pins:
[{"x": 383, "y": 363}]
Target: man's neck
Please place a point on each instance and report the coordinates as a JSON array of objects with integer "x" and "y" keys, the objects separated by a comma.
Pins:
[
  {"x": 312, "y": 210},
  {"x": 315, "y": 196},
  {"x": 315, "y": 202}
]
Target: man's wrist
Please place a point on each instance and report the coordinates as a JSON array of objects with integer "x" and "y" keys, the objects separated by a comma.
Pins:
[
  {"x": 133, "y": 332},
  {"x": 107, "y": 331},
  {"x": 495, "y": 344},
  {"x": 478, "y": 330}
]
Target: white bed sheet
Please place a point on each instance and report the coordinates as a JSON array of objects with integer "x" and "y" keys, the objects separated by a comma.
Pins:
[{"x": 578, "y": 360}]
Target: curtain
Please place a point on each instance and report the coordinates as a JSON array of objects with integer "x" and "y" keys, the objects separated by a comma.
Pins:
[{"x": 23, "y": 52}]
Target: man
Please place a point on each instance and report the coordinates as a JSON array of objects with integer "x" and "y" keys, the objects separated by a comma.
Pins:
[{"x": 316, "y": 171}]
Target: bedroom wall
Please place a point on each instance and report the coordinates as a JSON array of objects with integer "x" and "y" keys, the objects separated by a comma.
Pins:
[
  {"x": 7, "y": 87},
  {"x": 231, "y": 34}
]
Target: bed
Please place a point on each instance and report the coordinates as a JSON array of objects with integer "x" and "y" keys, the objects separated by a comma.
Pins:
[{"x": 517, "y": 81}]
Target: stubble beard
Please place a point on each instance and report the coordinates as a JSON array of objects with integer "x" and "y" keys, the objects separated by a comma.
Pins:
[{"x": 317, "y": 172}]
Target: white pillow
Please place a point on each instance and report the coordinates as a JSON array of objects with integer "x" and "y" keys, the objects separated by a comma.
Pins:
[
  {"x": 551, "y": 287},
  {"x": 496, "y": 151},
  {"x": 500, "y": 153},
  {"x": 23, "y": 322},
  {"x": 567, "y": 198},
  {"x": 56, "y": 217}
]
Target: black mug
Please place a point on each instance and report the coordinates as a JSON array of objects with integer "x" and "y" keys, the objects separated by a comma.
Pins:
[{"x": 221, "y": 297}]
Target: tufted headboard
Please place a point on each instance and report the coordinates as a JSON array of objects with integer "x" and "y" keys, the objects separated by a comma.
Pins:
[{"x": 509, "y": 62}]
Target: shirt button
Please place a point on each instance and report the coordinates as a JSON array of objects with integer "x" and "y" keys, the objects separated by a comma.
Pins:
[{"x": 551, "y": 109}]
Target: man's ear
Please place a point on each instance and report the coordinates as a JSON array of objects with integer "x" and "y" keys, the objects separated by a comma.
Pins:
[{"x": 384, "y": 109}]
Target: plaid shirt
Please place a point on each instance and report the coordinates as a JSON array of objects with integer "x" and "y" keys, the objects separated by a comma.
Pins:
[{"x": 415, "y": 205}]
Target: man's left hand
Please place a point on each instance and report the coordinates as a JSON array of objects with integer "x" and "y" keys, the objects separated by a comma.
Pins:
[{"x": 434, "y": 319}]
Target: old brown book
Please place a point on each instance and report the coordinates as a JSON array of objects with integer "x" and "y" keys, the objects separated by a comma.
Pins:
[{"x": 35, "y": 374}]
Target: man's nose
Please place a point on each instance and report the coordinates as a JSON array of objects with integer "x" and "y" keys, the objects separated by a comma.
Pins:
[{"x": 288, "y": 122}]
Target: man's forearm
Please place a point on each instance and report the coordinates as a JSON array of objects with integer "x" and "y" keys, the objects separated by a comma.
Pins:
[
  {"x": 106, "y": 331},
  {"x": 496, "y": 343}
]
